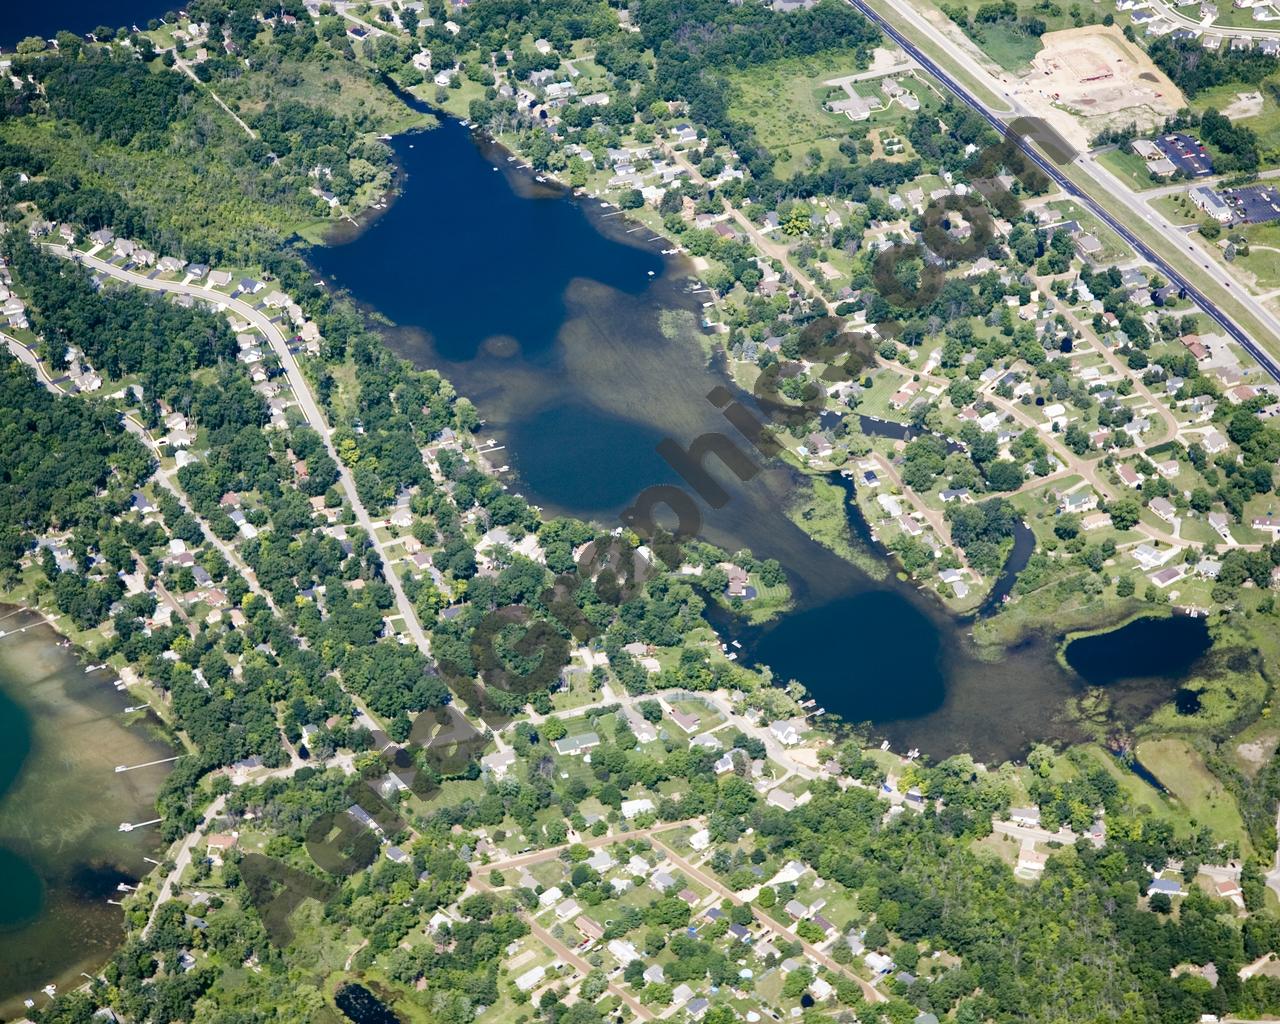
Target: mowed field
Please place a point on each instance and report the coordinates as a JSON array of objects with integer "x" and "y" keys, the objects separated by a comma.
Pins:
[{"x": 1203, "y": 799}]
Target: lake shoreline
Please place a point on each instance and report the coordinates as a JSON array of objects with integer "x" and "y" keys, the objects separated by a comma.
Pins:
[
  {"x": 574, "y": 378},
  {"x": 78, "y": 736}
]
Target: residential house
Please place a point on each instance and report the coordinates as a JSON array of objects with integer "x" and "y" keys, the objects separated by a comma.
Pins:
[{"x": 572, "y": 746}]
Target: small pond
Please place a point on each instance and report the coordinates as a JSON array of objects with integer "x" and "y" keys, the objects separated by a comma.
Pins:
[
  {"x": 1167, "y": 647},
  {"x": 363, "y": 1007}
]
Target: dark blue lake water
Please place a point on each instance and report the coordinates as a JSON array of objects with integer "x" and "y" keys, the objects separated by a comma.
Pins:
[
  {"x": 22, "y": 18},
  {"x": 1162, "y": 648},
  {"x": 577, "y": 340}
]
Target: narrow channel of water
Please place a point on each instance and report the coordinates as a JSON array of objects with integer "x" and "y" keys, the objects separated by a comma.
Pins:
[{"x": 62, "y": 733}]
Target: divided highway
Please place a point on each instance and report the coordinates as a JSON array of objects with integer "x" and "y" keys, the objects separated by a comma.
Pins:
[{"x": 1055, "y": 174}]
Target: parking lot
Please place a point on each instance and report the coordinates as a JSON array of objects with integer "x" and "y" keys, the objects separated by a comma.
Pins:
[
  {"x": 1186, "y": 154},
  {"x": 1256, "y": 204}
]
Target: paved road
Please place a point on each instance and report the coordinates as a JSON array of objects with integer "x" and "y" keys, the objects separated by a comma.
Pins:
[
  {"x": 1107, "y": 181},
  {"x": 523, "y": 860},
  {"x": 1273, "y": 876},
  {"x": 306, "y": 401},
  {"x": 1166, "y": 11},
  {"x": 181, "y": 859},
  {"x": 869, "y": 991}
]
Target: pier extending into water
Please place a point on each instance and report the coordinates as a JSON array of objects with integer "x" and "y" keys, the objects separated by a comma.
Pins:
[
  {"x": 126, "y": 826},
  {"x": 146, "y": 764}
]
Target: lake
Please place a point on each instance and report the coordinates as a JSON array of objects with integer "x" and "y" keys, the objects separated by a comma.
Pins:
[
  {"x": 22, "y": 18},
  {"x": 578, "y": 341},
  {"x": 62, "y": 732},
  {"x": 1165, "y": 648}
]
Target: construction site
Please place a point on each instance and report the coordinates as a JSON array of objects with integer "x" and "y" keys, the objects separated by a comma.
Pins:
[{"x": 1085, "y": 80}]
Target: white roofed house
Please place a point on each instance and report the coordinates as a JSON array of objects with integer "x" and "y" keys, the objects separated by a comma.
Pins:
[
  {"x": 787, "y": 730},
  {"x": 634, "y": 808}
]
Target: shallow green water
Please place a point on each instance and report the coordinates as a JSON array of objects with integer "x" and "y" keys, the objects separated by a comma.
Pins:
[{"x": 62, "y": 856}]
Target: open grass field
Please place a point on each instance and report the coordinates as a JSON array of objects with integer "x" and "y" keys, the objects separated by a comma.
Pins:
[
  {"x": 782, "y": 100},
  {"x": 1239, "y": 103},
  {"x": 330, "y": 84},
  {"x": 1005, "y": 44},
  {"x": 783, "y": 103},
  {"x": 1129, "y": 168},
  {"x": 1201, "y": 798}
]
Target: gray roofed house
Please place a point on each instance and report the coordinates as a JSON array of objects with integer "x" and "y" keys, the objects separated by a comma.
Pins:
[
  {"x": 1164, "y": 885},
  {"x": 1025, "y": 815},
  {"x": 362, "y": 816},
  {"x": 574, "y": 745}
]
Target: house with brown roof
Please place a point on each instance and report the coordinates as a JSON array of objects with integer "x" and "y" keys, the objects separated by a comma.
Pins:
[{"x": 219, "y": 843}]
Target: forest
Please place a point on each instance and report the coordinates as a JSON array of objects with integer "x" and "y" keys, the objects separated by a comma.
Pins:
[
  {"x": 1194, "y": 68},
  {"x": 122, "y": 332}
]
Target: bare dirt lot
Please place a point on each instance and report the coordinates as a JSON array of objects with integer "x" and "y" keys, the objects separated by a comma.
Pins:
[
  {"x": 1091, "y": 78},
  {"x": 1246, "y": 104}
]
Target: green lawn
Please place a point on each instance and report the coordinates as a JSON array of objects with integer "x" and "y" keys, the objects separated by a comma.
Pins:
[
  {"x": 1113, "y": 248},
  {"x": 1129, "y": 168},
  {"x": 1260, "y": 268},
  {"x": 1202, "y": 798}
]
